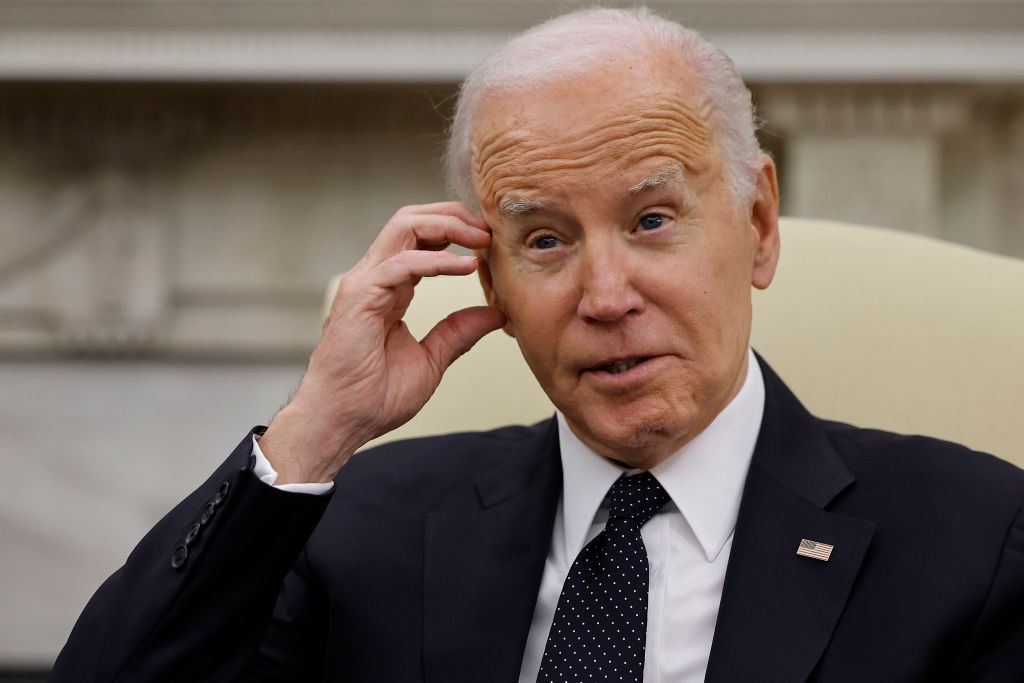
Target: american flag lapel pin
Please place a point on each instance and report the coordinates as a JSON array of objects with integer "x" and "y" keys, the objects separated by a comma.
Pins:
[{"x": 815, "y": 549}]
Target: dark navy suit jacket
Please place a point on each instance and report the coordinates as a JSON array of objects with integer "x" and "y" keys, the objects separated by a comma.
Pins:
[{"x": 425, "y": 564}]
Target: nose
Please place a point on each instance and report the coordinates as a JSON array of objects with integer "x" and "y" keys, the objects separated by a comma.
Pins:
[{"x": 606, "y": 278}]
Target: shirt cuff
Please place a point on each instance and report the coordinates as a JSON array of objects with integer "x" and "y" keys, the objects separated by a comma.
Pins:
[{"x": 268, "y": 475}]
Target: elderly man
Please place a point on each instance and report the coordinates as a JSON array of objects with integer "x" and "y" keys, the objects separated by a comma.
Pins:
[{"x": 681, "y": 519}]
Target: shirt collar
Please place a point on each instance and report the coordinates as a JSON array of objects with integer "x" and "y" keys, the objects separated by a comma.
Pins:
[{"x": 704, "y": 478}]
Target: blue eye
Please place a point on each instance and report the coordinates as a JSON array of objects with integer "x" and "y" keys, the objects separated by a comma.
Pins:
[
  {"x": 652, "y": 221},
  {"x": 546, "y": 242}
]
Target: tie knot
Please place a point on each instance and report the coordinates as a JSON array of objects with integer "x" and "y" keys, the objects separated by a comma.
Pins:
[{"x": 636, "y": 497}]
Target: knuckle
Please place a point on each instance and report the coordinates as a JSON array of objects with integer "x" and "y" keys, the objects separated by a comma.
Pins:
[
  {"x": 404, "y": 258},
  {"x": 346, "y": 283}
]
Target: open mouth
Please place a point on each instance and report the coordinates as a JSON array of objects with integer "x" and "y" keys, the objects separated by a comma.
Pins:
[{"x": 618, "y": 366}]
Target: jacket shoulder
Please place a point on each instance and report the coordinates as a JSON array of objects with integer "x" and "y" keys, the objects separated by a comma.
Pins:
[
  {"x": 414, "y": 475},
  {"x": 471, "y": 450},
  {"x": 927, "y": 468}
]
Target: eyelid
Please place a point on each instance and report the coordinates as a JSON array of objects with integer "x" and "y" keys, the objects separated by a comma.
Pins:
[
  {"x": 536, "y": 236},
  {"x": 664, "y": 215}
]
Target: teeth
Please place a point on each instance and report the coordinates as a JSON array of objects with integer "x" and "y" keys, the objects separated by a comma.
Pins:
[{"x": 621, "y": 365}]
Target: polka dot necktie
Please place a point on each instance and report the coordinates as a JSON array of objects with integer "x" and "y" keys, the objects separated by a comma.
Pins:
[{"x": 600, "y": 625}]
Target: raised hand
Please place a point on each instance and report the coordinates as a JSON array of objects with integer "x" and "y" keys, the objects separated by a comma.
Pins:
[{"x": 368, "y": 374}]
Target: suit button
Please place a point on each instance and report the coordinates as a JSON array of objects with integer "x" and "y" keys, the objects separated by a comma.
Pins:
[
  {"x": 179, "y": 556},
  {"x": 208, "y": 513},
  {"x": 192, "y": 533},
  {"x": 222, "y": 493}
]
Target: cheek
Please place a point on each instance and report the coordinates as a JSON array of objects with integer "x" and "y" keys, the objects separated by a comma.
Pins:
[
  {"x": 697, "y": 301},
  {"x": 522, "y": 289},
  {"x": 503, "y": 279},
  {"x": 534, "y": 313},
  {"x": 539, "y": 310},
  {"x": 509, "y": 294},
  {"x": 728, "y": 305}
]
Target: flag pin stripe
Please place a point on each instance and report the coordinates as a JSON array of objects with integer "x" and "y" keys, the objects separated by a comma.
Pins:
[{"x": 814, "y": 549}]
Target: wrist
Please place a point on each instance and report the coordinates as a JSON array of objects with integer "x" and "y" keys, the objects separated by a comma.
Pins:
[{"x": 304, "y": 447}]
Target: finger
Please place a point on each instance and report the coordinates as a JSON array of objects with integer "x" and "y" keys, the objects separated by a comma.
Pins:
[
  {"x": 425, "y": 231},
  {"x": 457, "y": 209},
  {"x": 407, "y": 266},
  {"x": 437, "y": 232},
  {"x": 457, "y": 334}
]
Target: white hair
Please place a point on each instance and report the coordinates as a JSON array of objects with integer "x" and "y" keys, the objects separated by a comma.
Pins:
[{"x": 573, "y": 43}]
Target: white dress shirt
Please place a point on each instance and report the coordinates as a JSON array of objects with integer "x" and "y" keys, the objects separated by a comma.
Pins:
[{"x": 688, "y": 541}]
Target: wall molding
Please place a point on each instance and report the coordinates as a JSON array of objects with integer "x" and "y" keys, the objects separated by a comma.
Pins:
[
  {"x": 474, "y": 15},
  {"x": 440, "y": 40},
  {"x": 860, "y": 108}
]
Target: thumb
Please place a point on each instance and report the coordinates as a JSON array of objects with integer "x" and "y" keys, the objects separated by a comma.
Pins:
[{"x": 457, "y": 334}]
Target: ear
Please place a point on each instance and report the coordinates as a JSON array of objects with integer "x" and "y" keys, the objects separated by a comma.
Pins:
[
  {"x": 483, "y": 271},
  {"x": 764, "y": 222}
]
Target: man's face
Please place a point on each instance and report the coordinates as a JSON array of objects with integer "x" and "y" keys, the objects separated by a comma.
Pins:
[{"x": 618, "y": 254}]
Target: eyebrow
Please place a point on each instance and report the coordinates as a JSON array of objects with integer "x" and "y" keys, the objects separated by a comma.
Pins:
[
  {"x": 517, "y": 206},
  {"x": 657, "y": 179}
]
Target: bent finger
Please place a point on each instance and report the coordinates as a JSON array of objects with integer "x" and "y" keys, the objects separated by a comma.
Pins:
[
  {"x": 431, "y": 232},
  {"x": 407, "y": 267},
  {"x": 457, "y": 209}
]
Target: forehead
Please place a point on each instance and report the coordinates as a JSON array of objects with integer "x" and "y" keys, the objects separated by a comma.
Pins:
[{"x": 611, "y": 119}]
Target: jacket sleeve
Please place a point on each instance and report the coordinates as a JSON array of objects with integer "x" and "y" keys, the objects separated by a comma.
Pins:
[
  {"x": 995, "y": 649},
  {"x": 193, "y": 601}
]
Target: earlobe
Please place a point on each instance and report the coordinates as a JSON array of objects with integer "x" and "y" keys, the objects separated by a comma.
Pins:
[
  {"x": 764, "y": 222},
  {"x": 483, "y": 271}
]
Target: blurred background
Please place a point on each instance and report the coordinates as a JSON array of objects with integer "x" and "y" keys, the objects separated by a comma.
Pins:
[{"x": 179, "y": 179}]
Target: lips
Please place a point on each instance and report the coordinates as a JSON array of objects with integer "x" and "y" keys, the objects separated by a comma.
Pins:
[{"x": 621, "y": 365}]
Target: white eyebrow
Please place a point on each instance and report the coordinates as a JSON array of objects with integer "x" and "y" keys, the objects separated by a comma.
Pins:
[
  {"x": 657, "y": 179},
  {"x": 517, "y": 206}
]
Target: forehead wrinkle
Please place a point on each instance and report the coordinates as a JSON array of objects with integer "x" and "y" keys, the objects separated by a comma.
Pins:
[
  {"x": 501, "y": 145},
  {"x": 506, "y": 152},
  {"x": 544, "y": 172}
]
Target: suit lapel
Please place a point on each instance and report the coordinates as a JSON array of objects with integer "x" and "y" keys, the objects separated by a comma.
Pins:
[
  {"x": 483, "y": 566},
  {"x": 778, "y": 609}
]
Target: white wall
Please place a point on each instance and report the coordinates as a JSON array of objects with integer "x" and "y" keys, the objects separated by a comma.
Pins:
[{"x": 91, "y": 456}]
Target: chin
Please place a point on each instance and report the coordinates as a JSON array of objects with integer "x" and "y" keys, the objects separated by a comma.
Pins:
[{"x": 641, "y": 443}]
